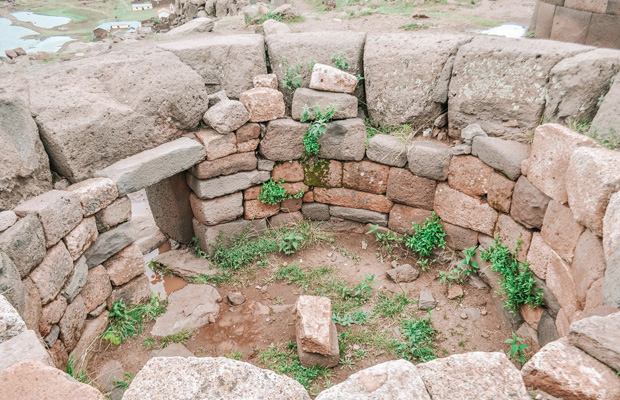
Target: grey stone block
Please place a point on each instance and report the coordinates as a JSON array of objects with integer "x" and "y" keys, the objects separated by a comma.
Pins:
[
  {"x": 24, "y": 243},
  {"x": 151, "y": 166},
  {"x": 427, "y": 301},
  {"x": 345, "y": 104},
  {"x": 114, "y": 214},
  {"x": 266, "y": 165},
  {"x": 547, "y": 332},
  {"x": 504, "y": 155},
  {"x": 77, "y": 280},
  {"x": 169, "y": 201},
  {"x": 208, "y": 234},
  {"x": 611, "y": 282},
  {"x": 315, "y": 211},
  {"x": 11, "y": 323},
  {"x": 25, "y": 346},
  {"x": 354, "y": 214},
  {"x": 343, "y": 140},
  {"x": 7, "y": 220},
  {"x": 110, "y": 243},
  {"x": 11, "y": 285},
  {"x": 386, "y": 149},
  {"x": 217, "y": 187},
  {"x": 429, "y": 159},
  {"x": 283, "y": 140}
]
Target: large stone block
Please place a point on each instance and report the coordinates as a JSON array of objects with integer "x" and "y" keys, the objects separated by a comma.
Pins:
[
  {"x": 151, "y": 166},
  {"x": 560, "y": 230},
  {"x": 24, "y": 243},
  {"x": 505, "y": 156},
  {"x": 548, "y": 172},
  {"x": 11, "y": 324},
  {"x": 353, "y": 214},
  {"x": 406, "y": 188},
  {"x": 58, "y": 211},
  {"x": 596, "y": 6},
  {"x": 469, "y": 175},
  {"x": 81, "y": 237},
  {"x": 136, "y": 291},
  {"x": 125, "y": 265},
  {"x": 256, "y": 209},
  {"x": 564, "y": 371},
  {"x": 592, "y": 177},
  {"x": 500, "y": 192},
  {"x": 291, "y": 171},
  {"x": 227, "y": 116},
  {"x": 25, "y": 346},
  {"x": 500, "y": 83},
  {"x": 331, "y": 79},
  {"x": 51, "y": 314},
  {"x": 544, "y": 19},
  {"x": 597, "y": 336},
  {"x": 208, "y": 235},
  {"x": 72, "y": 323},
  {"x": 77, "y": 280},
  {"x": 513, "y": 234},
  {"x": 606, "y": 123},
  {"x": 93, "y": 329},
  {"x": 263, "y": 104},
  {"x": 398, "y": 90},
  {"x": 116, "y": 213},
  {"x": 344, "y": 104},
  {"x": 429, "y": 159},
  {"x": 528, "y": 204},
  {"x": 225, "y": 166},
  {"x": 170, "y": 206},
  {"x": 319, "y": 47},
  {"x": 386, "y": 149},
  {"x": 95, "y": 194},
  {"x": 460, "y": 209},
  {"x": 212, "y": 60},
  {"x": 402, "y": 218},
  {"x": 52, "y": 274},
  {"x": 611, "y": 283},
  {"x": 459, "y": 238},
  {"x": 313, "y": 323},
  {"x": 353, "y": 199},
  {"x": 97, "y": 288},
  {"x": 570, "y": 25},
  {"x": 611, "y": 225},
  {"x": 92, "y": 122},
  {"x": 217, "y": 145},
  {"x": 32, "y": 308},
  {"x": 540, "y": 255},
  {"x": 601, "y": 30},
  {"x": 365, "y": 176},
  {"x": 323, "y": 173},
  {"x": 218, "y": 187},
  {"x": 343, "y": 140},
  {"x": 283, "y": 140},
  {"x": 577, "y": 83},
  {"x": 110, "y": 243},
  {"x": 219, "y": 210},
  {"x": 26, "y": 171},
  {"x": 315, "y": 211}
]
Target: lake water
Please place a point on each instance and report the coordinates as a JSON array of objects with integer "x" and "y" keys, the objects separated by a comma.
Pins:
[
  {"x": 12, "y": 36},
  {"x": 42, "y": 21},
  {"x": 507, "y": 30}
]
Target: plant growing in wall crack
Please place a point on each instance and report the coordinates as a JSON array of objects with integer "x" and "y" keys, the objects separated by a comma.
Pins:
[
  {"x": 292, "y": 77},
  {"x": 318, "y": 120},
  {"x": 273, "y": 192},
  {"x": 516, "y": 348}
]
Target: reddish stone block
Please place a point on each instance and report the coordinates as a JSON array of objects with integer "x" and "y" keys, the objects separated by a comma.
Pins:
[
  {"x": 544, "y": 20},
  {"x": 251, "y": 193},
  {"x": 97, "y": 288},
  {"x": 412, "y": 190},
  {"x": 308, "y": 197},
  {"x": 604, "y": 30},
  {"x": 560, "y": 230},
  {"x": 216, "y": 144},
  {"x": 247, "y": 132},
  {"x": 528, "y": 204},
  {"x": 290, "y": 205},
  {"x": 531, "y": 315},
  {"x": 469, "y": 175},
  {"x": 290, "y": 171},
  {"x": 459, "y": 238},
  {"x": 353, "y": 199},
  {"x": 365, "y": 176},
  {"x": 250, "y": 145},
  {"x": 570, "y": 25},
  {"x": 255, "y": 209},
  {"x": 460, "y": 209},
  {"x": 264, "y": 104},
  {"x": 402, "y": 218},
  {"x": 588, "y": 264},
  {"x": 225, "y": 166},
  {"x": 499, "y": 195},
  {"x": 295, "y": 188},
  {"x": 511, "y": 232}
]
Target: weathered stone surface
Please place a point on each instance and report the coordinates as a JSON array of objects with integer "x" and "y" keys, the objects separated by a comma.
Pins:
[
  {"x": 188, "y": 309},
  {"x": 460, "y": 238},
  {"x": 343, "y": 140},
  {"x": 547, "y": 331},
  {"x": 25, "y": 346},
  {"x": 500, "y": 192},
  {"x": 272, "y": 27},
  {"x": 291, "y": 171},
  {"x": 429, "y": 159},
  {"x": 51, "y": 339},
  {"x": 206, "y": 377},
  {"x": 386, "y": 149},
  {"x": 570, "y": 25},
  {"x": 52, "y": 274},
  {"x": 7, "y": 220},
  {"x": 606, "y": 122},
  {"x": 365, "y": 176},
  {"x": 92, "y": 122},
  {"x": 353, "y": 214},
  {"x": 528, "y": 204},
  {"x": 598, "y": 6},
  {"x": 598, "y": 336},
  {"x": 331, "y": 79},
  {"x": 201, "y": 24},
  {"x": 465, "y": 211},
  {"x": 344, "y": 104},
  {"x": 551, "y": 151},
  {"x": 185, "y": 264},
  {"x": 93, "y": 329},
  {"x": 172, "y": 350},
  {"x": 470, "y": 132},
  {"x": 611, "y": 225},
  {"x": 58, "y": 211},
  {"x": 110, "y": 243},
  {"x": 151, "y": 166},
  {"x": 136, "y": 291},
  {"x": 564, "y": 371},
  {"x": 474, "y": 376},
  {"x": 256, "y": 209},
  {"x": 314, "y": 316},
  {"x": 469, "y": 175},
  {"x": 505, "y": 88},
  {"x": 560, "y": 230},
  {"x": 227, "y": 116},
  {"x": 221, "y": 186},
  {"x": 315, "y": 211},
  {"x": 51, "y": 314},
  {"x": 95, "y": 194},
  {"x": 403, "y": 273},
  {"x": 32, "y": 309},
  {"x": 225, "y": 166},
  {"x": 235, "y": 298},
  {"x": 212, "y": 60},
  {"x": 402, "y": 218},
  {"x": 611, "y": 283},
  {"x": 81, "y": 237},
  {"x": 404, "y": 187},
  {"x": 323, "y": 173},
  {"x": 353, "y": 199},
  {"x": 219, "y": 210},
  {"x": 207, "y": 235},
  {"x": 32, "y": 380},
  {"x": 266, "y": 80},
  {"x": 24, "y": 243},
  {"x": 401, "y": 92},
  {"x": 11, "y": 324},
  {"x": 264, "y": 104},
  {"x": 512, "y": 233},
  {"x": 125, "y": 265},
  {"x": 217, "y": 145},
  {"x": 247, "y": 132},
  {"x": 116, "y": 213},
  {"x": 398, "y": 380},
  {"x": 97, "y": 288},
  {"x": 170, "y": 207},
  {"x": 216, "y": 97},
  {"x": 591, "y": 178},
  {"x": 308, "y": 359},
  {"x": 76, "y": 282},
  {"x": 283, "y": 140},
  {"x": 540, "y": 255},
  {"x": 504, "y": 155},
  {"x": 72, "y": 323},
  {"x": 426, "y": 301},
  {"x": 248, "y": 146}
]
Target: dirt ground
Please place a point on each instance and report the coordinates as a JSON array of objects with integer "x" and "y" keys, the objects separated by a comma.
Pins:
[{"x": 266, "y": 319}]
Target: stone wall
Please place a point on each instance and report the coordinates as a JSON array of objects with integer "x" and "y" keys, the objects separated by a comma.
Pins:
[{"x": 594, "y": 23}]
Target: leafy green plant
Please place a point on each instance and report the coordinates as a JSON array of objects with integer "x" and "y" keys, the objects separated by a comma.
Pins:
[
  {"x": 357, "y": 317},
  {"x": 292, "y": 77},
  {"x": 388, "y": 240},
  {"x": 362, "y": 292},
  {"x": 516, "y": 279},
  {"x": 237, "y": 355},
  {"x": 149, "y": 342},
  {"x": 124, "y": 383},
  {"x": 426, "y": 238},
  {"x": 270, "y": 15},
  {"x": 126, "y": 322},
  {"x": 273, "y": 192},
  {"x": 388, "y": 307},
  {"x": 516, "y": 348},
  {"x": 159, "y": 267},
  {"x": 462, "y": 270},
  {"x": 79, "y": 375},
  {"x": 413, "y": 26},
  {"x": 195, "y": 248},
  {"x": 419, "y": 335},
  {"x": 286, "y": 362},
  {"x": 290, "y": 242},
  {"x": 318, "y": 120},
  {"x": 179, "y": 337},
  {"x": 340, "y": 61}
]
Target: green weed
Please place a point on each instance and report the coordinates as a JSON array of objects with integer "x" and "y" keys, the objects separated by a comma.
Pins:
[
  {"x": 195, "y": 248},
  {"x": 388, "y": 240},
  {"x": 318, "y": 120},
  {"x": 124, "y": 384},
  {"x": 389, "y": 307},
  {"x": 179, "y": 337},
  {"x": 149, "y": 342},
  {"x": 126, "y": 322},
  {"x": 292, "y": 77},
  {"x": 459, "y": 273},
  {"x": 273, "y": 192},
  {"x": 156, "y": 266},
  {"x": 79, "y": 375},
  {"x": 413, "y": 26},
  {"x": 426, "y": 238},
  {"x": 419, "y": 345},
  {"x": 516, "y": 348},
  {"x": 340, "y": 61},
  {"x": 357, "y": 317},
  {"x": 286, "y": 362},
  {"x": 238, "y": 355}
]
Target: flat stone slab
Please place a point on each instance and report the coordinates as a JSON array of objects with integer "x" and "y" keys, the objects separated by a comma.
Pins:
[
  {"x": 217, "y": 187},
  {"x": 354, "y": 214},
  {"x": 345, "y": 104},
  {"x": 151, "y": 166},
  {"x": 188, "y": 309},
  {"x": 504, "y": 155},
  {"x": 185, "y": 264},
  {"x": 386, "y": 149},
  {"x": 25, "y": 346},
  {"x": 599, "y": 337},
  {"x": 110, "y": 243}
]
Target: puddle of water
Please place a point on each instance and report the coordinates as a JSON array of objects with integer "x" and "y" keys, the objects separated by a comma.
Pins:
[
  {"x": 42, "y": 21},
  {"x": 12, "y": 36},
  {"x": 507, "y": 30},
  {"x": 160, "y": 284}
]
